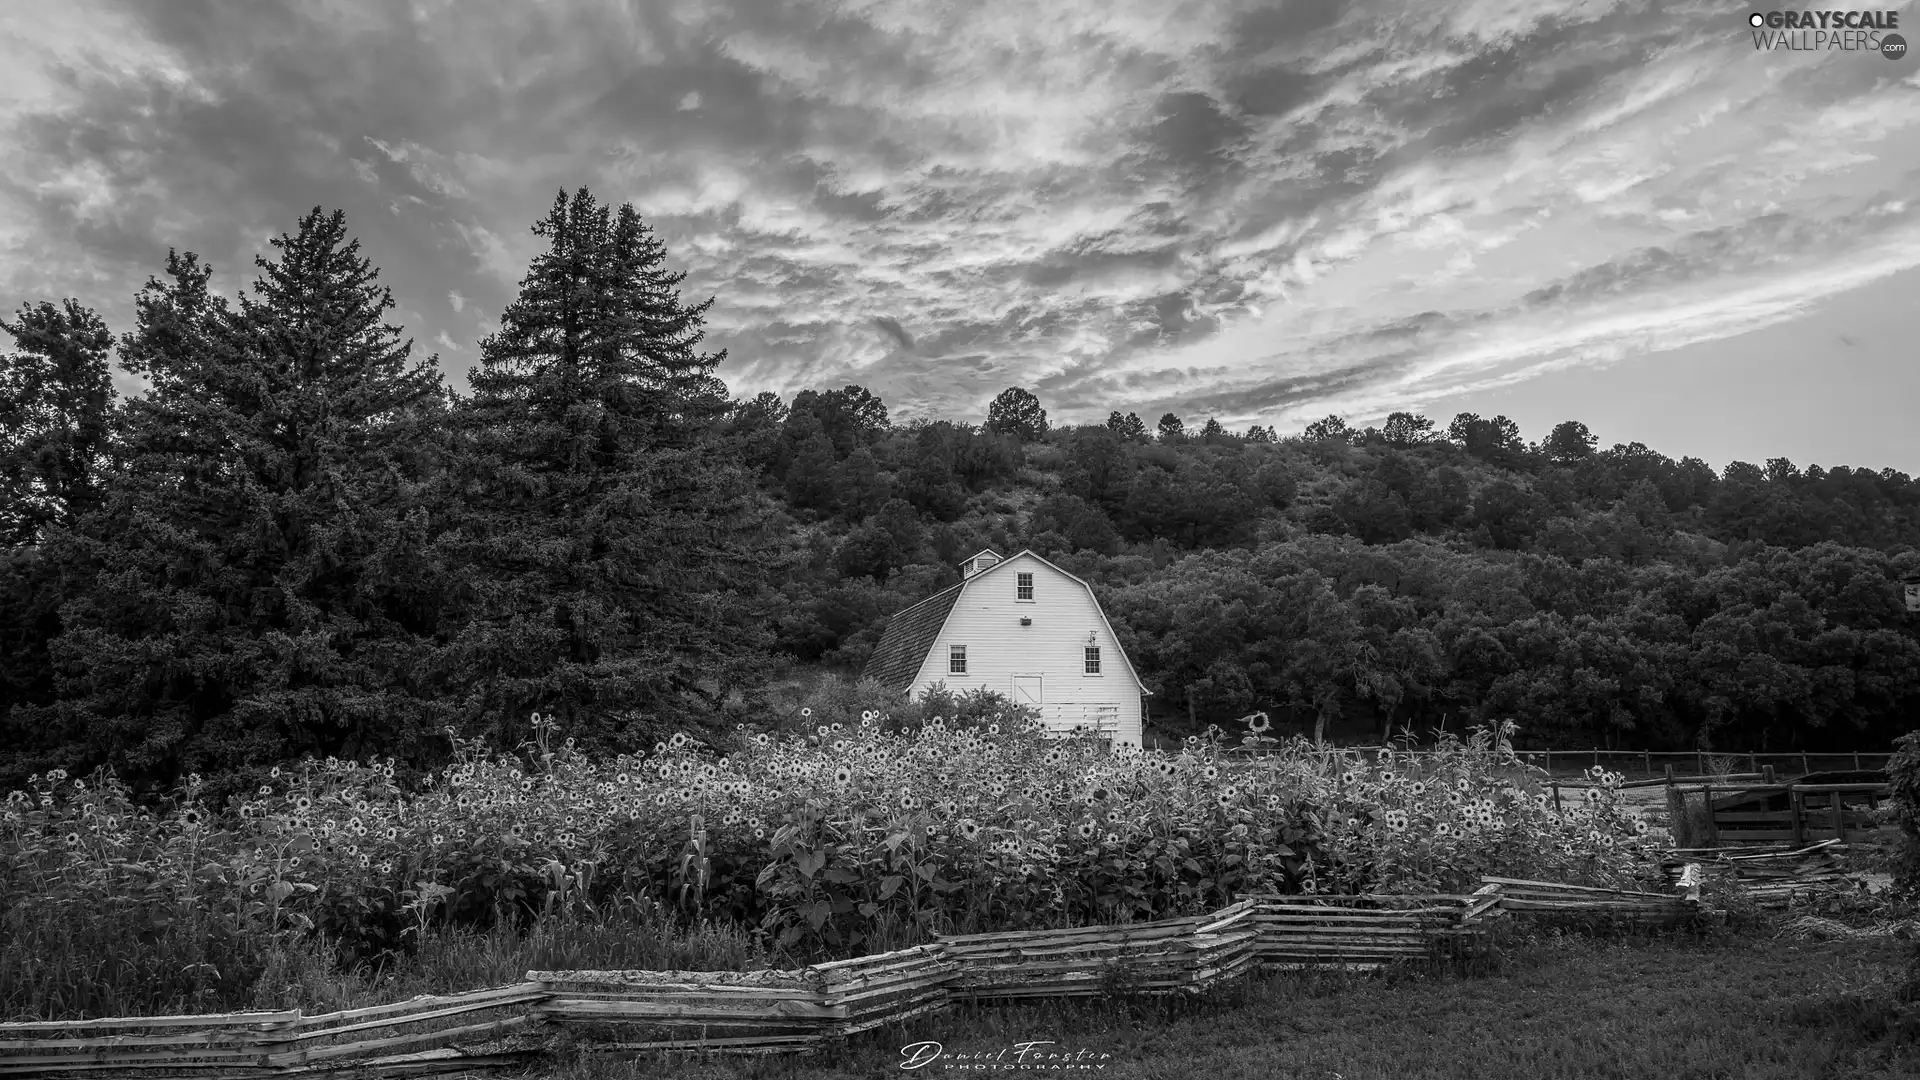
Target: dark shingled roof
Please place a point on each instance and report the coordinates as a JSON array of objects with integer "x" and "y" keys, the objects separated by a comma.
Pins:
[{"x": 909, "y": 634}]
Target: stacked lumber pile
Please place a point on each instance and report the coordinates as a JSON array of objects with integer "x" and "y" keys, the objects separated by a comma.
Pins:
[
  {"x": 1366, "y": 932},
  {"x": 1773, "y": 876},
  {"x": 260, "y": 1044},
  {"x": 1171, "y": 956},
  {"x": 1549, "y": 898}
]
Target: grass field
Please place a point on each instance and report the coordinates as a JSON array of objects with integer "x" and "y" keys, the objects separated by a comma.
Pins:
[{"x": 1560, "y": 1007}]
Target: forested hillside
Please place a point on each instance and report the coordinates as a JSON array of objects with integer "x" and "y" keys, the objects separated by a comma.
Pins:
[
  {"x": 1386, "y": 577},
  {"x": 298, "y": 541}
]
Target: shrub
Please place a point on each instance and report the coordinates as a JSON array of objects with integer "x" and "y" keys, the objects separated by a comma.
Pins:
[{"x": 1903, "y": 778}]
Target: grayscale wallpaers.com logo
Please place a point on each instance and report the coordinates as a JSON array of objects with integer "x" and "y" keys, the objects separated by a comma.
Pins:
[{"x": 1821, "y": 31}]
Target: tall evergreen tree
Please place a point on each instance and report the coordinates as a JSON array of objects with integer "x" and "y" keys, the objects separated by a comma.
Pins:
[
  {"x": 56, "y": 396},
  {"x": 256, "y": 586},
  {"x": 56, "y": 400},
  {"x": 614, "y": 550}
]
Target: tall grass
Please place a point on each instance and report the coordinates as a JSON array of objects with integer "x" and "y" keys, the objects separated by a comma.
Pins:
[{"x": 85, "y": 972}]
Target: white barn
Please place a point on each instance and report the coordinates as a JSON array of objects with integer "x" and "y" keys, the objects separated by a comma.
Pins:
[{"x": 1025, "y": 628}]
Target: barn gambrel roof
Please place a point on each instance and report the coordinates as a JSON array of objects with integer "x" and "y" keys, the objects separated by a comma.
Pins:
[
  {"x": 903, "y": 646},
  {"x": 909, "y": 634}
]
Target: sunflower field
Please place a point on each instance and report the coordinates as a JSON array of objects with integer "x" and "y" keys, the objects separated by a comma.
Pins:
[{"x": 848, "y": 839}]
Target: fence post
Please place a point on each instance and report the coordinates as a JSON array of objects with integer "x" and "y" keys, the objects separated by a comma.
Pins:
[
  {"x": 1556, "y": 795},
  {"x": 1700, "y": 760},
  {"x": 1839, "y": 819},
  {"x": 1766, "y": 774},
  {"x": 1677, "y": 813},
  {"x": 1805, "y": 767},
  {"x": 1549, "y": 762},
  {"x": 1856, "y": 761},
  {"x": 1796, "y": 805},
  {"x": 1713, "y": 828},
  {"x": 1646, "y": 759},
  {"x": 1596, "y": 757},
  {"x": 1753, "y": 763}
]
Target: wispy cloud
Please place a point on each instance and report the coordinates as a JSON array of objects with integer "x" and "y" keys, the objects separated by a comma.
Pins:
[{"x": 1254, "y": 209}]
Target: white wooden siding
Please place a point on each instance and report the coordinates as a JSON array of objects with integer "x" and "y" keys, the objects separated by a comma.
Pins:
[{"x": 986, "y": 619}]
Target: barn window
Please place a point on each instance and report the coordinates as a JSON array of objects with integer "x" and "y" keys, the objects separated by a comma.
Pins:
[
  {"x": 1093, "y": 659},
  {"x": 1023, "y": 586},
  {"x": 956, "y": 659}
]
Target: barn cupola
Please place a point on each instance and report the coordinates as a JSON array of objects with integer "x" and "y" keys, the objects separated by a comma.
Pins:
[{"x": 978, "y": 563}]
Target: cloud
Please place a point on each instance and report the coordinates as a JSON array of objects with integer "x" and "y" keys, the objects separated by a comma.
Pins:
[
  {"x": 1265, "y": 210},
  {"x": 892, "y": 327}
]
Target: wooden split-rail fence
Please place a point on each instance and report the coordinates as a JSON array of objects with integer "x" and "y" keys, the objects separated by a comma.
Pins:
[{"x": 779, "y": 1011}]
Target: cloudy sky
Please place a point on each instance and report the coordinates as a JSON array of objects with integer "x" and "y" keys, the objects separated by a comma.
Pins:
[{"x": 1265, "y": 211}]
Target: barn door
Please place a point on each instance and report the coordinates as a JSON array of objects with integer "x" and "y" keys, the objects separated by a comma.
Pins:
[{"x": 1026, "y": 690}]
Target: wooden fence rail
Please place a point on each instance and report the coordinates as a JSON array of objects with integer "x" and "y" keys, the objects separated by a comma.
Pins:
[
  {"x": 1648, "y": 762},
  {"x": 800, "y": 1010}
]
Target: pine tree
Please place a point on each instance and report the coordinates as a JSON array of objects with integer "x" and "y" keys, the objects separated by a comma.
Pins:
[
  {"x": 615, "y": 550},
  {"x": 56, "y": 396},
  {"x": 56, "y": 402},
  {"x": 256, "y": 586}
]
